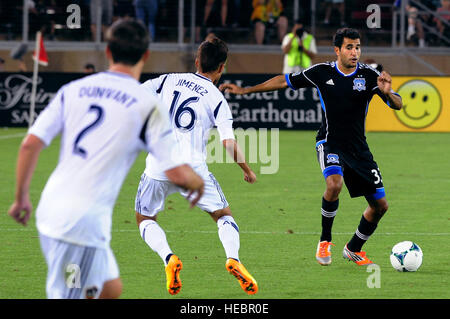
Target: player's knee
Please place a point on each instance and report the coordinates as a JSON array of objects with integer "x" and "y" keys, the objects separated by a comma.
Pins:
[
  {"x": 112, "y": 289},
  {"x": 382, "y": 209},
  {"x": 220, "y": 213},
  {"x": 117, "y": 291},
  {"x": 140, "y": 218},
  {"x": 334, "y": 187}
]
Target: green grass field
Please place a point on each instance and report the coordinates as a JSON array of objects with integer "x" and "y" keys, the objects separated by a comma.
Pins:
[{"x": 279, "y": 219}]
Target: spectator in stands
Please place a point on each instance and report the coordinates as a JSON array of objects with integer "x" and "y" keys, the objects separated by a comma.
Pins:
[
  {"x": 146, "y": 11},
  {"x": 123, "y": 9},
  {"x": 299, "y": 48},
  {"x": 106, "y": 14},
  {"x": 444, "y": 13},
  {"x": 18, "y": 53},
  {"x": 414, "y": 22},
  {"x": 42, "y": 17},
  {"x": 235, "y": 13},
  {"x": 10, "y": 19},
  {"x": 268, "y": 13},
  {"x": 223, "y": 11},
  {"x": 167, "y": 11},
  {"x": 415, "y": 26},
  {"x": 330, "y": 4},
  {"x": 199, "y": 18},
  {"x": 89, "y": 68}
]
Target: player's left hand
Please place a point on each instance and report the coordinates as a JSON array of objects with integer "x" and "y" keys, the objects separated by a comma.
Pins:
[
  {"x": 231, "y": 88},
  {"x": 384, "y": 82},
  {"x": 16, "y": 209}
]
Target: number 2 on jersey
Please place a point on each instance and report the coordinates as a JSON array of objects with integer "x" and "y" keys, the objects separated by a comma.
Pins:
[
  {"x": 77, "y": 149},
  {"x": 181, "y": 110}
]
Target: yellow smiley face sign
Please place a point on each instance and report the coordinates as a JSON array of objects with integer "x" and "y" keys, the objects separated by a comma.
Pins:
[{"x": 422, "y": 104}]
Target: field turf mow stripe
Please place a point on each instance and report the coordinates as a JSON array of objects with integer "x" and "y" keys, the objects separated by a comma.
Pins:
[{"x": 249, "y": 232}]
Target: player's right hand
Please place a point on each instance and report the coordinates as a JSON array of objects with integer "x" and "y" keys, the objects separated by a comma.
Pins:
[
  {"x": 184, "y": 176},
  {"x": 250, "y": 177},
  {"x": 198, "y": 194},
  {"x": 231, "y": 88},
  {"x": 16, "y": 209}
]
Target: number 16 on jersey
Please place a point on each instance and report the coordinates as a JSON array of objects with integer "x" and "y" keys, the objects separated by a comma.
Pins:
[{"x": 183, "y": 115}]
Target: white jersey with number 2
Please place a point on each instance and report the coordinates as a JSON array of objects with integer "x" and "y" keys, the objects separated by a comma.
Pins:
[{"x": 104, "y": 120}]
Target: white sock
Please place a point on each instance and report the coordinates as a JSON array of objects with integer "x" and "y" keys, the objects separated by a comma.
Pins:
[
  {"x": 229, "y": 236},
  {"x": 421, "y": 43},
  {"x": 155, "y": 238},
  {"x": 411, "y": 31}
]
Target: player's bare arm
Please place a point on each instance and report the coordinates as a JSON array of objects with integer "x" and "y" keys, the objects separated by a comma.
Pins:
[
  {"x": 384, "y": 82},
  {"x": 184, "y": 176},
  {"x": 273, "y": 84},
  {"x": 233, "y": 149},
  {"x": 29, "y": 151}
]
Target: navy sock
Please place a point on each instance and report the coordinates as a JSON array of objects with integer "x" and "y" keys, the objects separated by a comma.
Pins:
[
  {"x": 168, "y": 258},
  {"x": 329, "y": 210},
  {"x": 362, "y": 234}
]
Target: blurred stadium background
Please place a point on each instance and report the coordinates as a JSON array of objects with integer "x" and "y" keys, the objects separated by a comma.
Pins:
[
  {"x": 180, "y": 26},
  {"x": 411, "y": 39}
]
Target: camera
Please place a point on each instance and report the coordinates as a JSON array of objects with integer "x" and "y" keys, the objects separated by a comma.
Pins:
[{"x": 299, "y": 32}]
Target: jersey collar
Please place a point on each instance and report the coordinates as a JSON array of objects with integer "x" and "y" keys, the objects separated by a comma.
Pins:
[
  {"x": 342, "y": 73},
  {"x": 203, "y": 77},
  {"x": 119, "y": 74}
]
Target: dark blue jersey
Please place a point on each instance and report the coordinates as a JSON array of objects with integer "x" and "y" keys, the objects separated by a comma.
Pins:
[{"x": 345, "y": 100}]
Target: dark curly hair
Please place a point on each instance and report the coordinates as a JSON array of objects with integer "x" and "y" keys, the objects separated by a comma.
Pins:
[{"x": 342, "y": 33}]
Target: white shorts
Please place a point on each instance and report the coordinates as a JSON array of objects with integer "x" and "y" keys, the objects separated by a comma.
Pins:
[
  {"x": 152, "y": 194},
  {"x": 76, "y": 272}
]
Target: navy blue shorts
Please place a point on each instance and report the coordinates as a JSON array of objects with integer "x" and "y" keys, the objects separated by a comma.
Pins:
[{"x": 361, "y": 173}]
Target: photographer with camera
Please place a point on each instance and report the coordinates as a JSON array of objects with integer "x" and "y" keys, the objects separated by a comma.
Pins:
[{"x": 299, "y": 48}]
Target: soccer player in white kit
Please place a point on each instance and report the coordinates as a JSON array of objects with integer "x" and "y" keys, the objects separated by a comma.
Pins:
[
  {"x": 105, "y": 120},
  {"x": 195, "y": 105}
]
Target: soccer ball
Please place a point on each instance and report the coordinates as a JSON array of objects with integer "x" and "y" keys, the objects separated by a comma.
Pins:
[{"x": 406, "y": 256}]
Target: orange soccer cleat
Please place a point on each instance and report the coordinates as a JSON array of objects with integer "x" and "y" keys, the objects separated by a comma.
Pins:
[
  {"x": 247, "y": 282},
  {"x": 323, "y": 254},
  {"x": 173, "y": 269},
  {"x": 359, "y": 257}
]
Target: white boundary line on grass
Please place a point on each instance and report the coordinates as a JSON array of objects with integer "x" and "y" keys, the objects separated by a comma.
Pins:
[
  {"x": 247, "y": 232},
  {"x": 4, "y": 137}
]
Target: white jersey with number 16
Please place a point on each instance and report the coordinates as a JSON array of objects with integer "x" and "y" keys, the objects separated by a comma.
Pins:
[{"x": 195, "y": 105}]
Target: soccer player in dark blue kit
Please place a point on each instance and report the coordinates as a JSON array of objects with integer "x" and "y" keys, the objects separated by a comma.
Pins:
[{"x": 345, "y": 89}]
